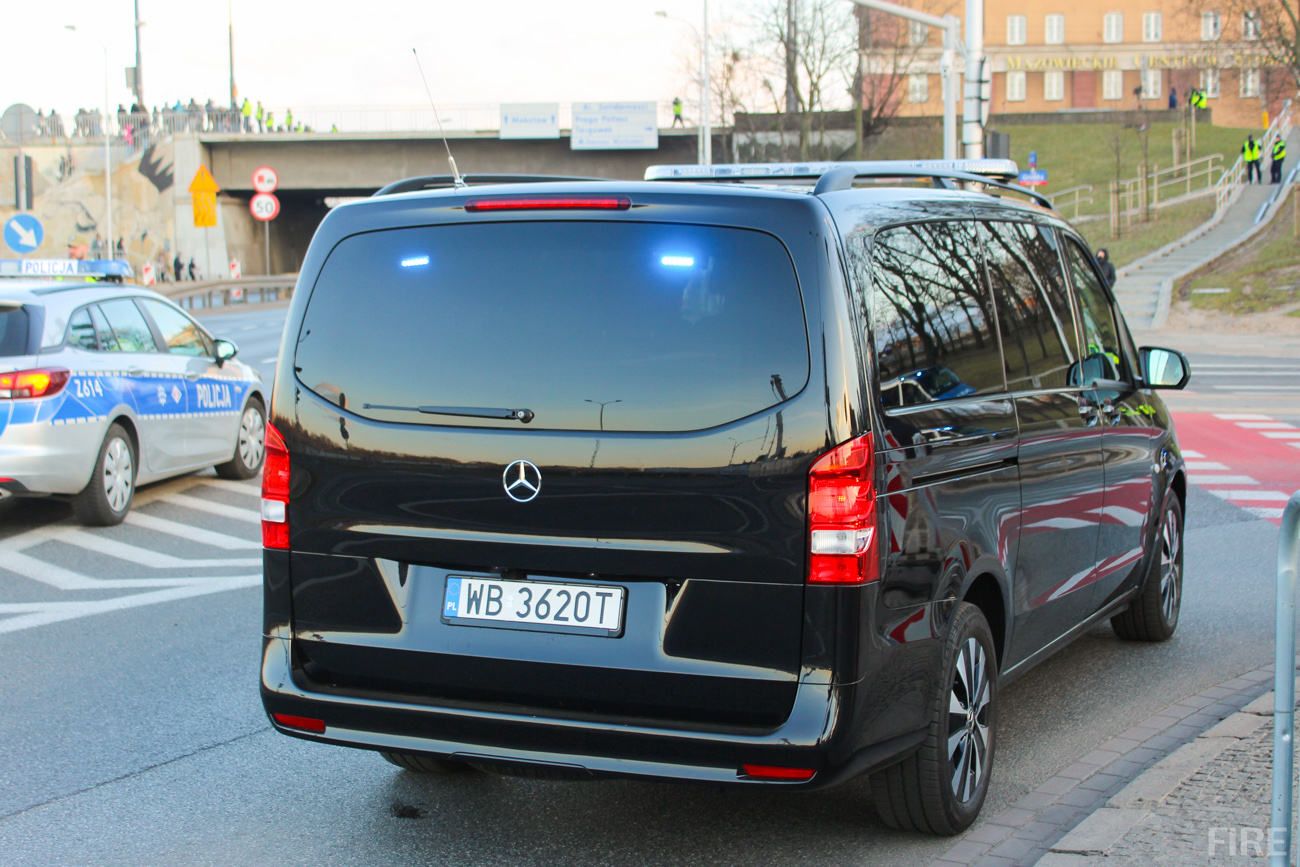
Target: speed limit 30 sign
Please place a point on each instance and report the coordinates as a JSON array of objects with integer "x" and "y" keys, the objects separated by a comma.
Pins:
[{"x": 264, "y": 206}]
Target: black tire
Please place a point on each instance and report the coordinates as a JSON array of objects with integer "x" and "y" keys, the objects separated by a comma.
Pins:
[
  {"x": 421, "y": 764},
  {"x": 108, "y": 495},
  {"x": 1153, "y": 615},
  {"x": 919, "y": 793},
  {"x": 250, "y": 444}
]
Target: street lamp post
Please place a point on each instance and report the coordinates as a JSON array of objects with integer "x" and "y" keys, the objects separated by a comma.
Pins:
[
  {"x": 706, "y": 122},
  {"x": 108, "y": 157}
]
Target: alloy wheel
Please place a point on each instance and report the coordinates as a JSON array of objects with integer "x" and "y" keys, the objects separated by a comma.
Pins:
[
  {"x": 968, "y": 720},
  {"x": 1170, "y": 567},
  {"x": 118, "y": 476},
  {"x": 252, "y": 437}
]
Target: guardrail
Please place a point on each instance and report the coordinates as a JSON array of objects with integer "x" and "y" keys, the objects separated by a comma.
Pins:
[
  {"x": 1288, "y": 588},
  {"x": 210, "y": 294},
  {"x": 1060, "y": 200}
]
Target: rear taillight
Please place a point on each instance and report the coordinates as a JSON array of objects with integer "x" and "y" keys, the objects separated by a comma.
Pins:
[
  {"x": 842, "y": 516},
  {"x": 275, "y": 492},
  {"x": 549, "y": 203},
  {"x": 32, "y": 383}
]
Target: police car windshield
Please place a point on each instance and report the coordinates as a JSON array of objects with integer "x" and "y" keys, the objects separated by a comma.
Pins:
[{"x": 14, "y": 325}]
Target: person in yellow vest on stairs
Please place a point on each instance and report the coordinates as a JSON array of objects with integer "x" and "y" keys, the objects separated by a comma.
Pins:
[
  {"x": 1251, "y": 153},
  {"x": 247, "y": 111},
  {"x": 1279, "y": 156}
]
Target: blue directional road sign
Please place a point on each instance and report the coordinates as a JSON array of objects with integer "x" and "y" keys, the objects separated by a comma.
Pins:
[
  {"x": 24, "y": 233},
  {"x": 1033, "y": 178},
  {"x": 1033, "y": 159}
]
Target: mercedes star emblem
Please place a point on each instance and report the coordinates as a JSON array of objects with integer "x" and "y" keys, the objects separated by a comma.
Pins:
[{"x": 522, "y": 480}]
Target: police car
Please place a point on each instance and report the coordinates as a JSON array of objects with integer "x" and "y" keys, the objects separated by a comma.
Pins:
[{"x": 105, "y": 385}]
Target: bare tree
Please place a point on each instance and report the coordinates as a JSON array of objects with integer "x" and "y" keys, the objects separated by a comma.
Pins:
[{"x": 1268, "y": 31}]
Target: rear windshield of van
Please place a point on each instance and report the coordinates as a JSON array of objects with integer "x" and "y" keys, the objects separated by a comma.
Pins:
[{"x": 588, "y": 325}]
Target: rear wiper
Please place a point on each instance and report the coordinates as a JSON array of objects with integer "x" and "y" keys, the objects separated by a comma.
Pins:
[{"x": 523, "y": 415}]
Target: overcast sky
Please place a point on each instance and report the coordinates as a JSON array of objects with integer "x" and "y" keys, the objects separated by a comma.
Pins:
[{"x": 331, "y": 53}]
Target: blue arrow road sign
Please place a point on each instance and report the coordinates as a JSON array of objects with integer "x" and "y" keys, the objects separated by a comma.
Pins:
[
  {"x": 1033, "y": 159},
  {"x": 24, "y": 233}
]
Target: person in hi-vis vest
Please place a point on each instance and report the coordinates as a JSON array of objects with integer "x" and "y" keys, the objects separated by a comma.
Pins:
[
  {"x": 1251, "y": 154},
  {"x": 1279, "y": 157}
]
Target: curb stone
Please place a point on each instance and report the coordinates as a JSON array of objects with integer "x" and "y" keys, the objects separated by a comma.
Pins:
[{"x": 1038, "y": 828}]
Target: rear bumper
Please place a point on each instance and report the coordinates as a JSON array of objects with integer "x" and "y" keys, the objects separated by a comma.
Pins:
[
  {"x": 817, "y": 734},
  {"x": 50, "y": 458}
]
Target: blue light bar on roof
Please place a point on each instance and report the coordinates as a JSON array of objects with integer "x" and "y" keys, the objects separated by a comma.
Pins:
[
  {"x": 66, "y": 268},
  {"x": 1000, "y": 169}
]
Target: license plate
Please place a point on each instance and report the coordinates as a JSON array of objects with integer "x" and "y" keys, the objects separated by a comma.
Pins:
[{"x": 536, "y": 605}]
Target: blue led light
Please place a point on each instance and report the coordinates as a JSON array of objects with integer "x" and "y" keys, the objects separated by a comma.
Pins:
[
  {"x": 414, "y": 261},
  {"x": 678, "y": 261}
]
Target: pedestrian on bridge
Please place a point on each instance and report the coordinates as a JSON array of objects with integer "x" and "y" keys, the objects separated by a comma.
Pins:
[
  {"x": 192, "y": 270},
  {"x": 677, "y": 112},
  {"x": 247, "y": 111},
  {"x": 261, "y": 116},
  {"x": 288, "y": 120},
  {"x": 178, "y": 267},
  {"x": 1251, "y": 154},
  {"x": 1279, "y": 157}
]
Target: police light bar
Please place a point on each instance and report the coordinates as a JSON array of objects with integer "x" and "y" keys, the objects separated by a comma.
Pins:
[
  {"x": 997, "y": 169},
  {"x": 80, "y": 268}
]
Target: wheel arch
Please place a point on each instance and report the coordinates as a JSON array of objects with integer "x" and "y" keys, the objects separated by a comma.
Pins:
[{"x": 988, "y": 594}]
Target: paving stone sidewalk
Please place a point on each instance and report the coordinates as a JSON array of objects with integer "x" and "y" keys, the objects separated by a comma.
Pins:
[{"x": 1202, "y": 753}]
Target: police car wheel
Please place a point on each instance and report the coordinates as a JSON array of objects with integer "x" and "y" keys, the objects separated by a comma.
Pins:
[
  {"x": 250, "y": 446},
  {"x": 107, "y": 496}
]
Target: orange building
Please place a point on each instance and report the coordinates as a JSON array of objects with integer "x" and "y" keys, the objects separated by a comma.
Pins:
[{"x": 1089, "y": 55}]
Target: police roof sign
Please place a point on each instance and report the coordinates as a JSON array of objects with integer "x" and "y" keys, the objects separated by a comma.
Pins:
[
  {"x": 65, "y": 268},
  {"x": 615, "y": 126}
]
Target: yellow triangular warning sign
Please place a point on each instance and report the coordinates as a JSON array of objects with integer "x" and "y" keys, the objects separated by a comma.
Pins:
[{"x": 204, "y": 182}]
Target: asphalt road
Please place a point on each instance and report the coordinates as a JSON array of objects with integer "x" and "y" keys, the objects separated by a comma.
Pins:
[{"x": 132, "y": 731}]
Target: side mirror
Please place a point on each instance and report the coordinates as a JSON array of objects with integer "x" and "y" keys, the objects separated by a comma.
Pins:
[
  {"x": 224, "y": 351},
  {"x": 1164, "y": 368}
]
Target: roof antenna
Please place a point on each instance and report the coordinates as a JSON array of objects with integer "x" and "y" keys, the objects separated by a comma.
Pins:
[{"x": 455, "y": 174}]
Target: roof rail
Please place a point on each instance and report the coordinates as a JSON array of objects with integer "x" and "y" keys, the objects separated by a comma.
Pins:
[
  {"x": 435, "y": 182},
  {"x": 833, "y": 176}
]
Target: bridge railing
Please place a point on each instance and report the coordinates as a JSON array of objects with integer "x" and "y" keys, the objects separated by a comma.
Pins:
[{"x": 227, "y": 293}]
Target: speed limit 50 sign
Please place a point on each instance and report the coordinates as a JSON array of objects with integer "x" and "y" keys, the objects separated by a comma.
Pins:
[{"x": 264, "y": 206}]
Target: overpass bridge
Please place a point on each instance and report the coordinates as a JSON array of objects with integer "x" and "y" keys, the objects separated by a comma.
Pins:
[{"x": 316, "y": 167}]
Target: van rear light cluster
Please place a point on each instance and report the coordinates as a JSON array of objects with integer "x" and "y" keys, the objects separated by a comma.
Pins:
[
  {"x": 275, "y": 492},
  {"x": 549, "y": 203},
  {"x": 33, "y": 383},
  {"x": 842, "y": 516}
]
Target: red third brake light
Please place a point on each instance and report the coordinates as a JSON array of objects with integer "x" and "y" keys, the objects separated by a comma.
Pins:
[
  {"x": 32, "y": 383},
  {"x": 530, "y": 203},
  {"x": 275, "y": 492},
  {"x": 842, "y": 516}
]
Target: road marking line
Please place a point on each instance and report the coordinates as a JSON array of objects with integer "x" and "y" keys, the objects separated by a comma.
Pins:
[
  {"x": 1241, "y": 416},
  {"x": 250, "y": 488},
  {"x": 1204, "y": 480},
  {"x": 202, "y": 505},
  {"x": 1257, "y": 387},
  {"x": 1263, "y": 425},
  {"x": 1265, "y": 511},
  {"x": 1205, "y": 465},
  {"x": 1253, "y": 496},
  {"x": 191, "y": 534},
  {"x": 1281, "y": 434},
  {"x": 63, "y": 579},
  {"x": 54, "y": 612},
  {"x": 1189, "y": 454},
  {"x": 143, "y": 556}
]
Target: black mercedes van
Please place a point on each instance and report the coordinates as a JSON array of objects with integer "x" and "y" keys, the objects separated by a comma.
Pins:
[{"x": 748, "y": 475}]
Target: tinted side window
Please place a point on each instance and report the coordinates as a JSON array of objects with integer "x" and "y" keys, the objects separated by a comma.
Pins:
[
  {"x": 1101, "y": 348},
  {"x": 930, "y": 316},
  {"x": 81, "y": 331},
  {"x": 1036, "y": 328},
  {"x": 181, "y": 333},
  {"x": 128, "y": 326},
  {"x": 14, "y": 323}
]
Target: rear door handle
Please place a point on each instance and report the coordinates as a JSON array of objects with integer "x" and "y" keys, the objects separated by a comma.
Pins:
[
  {"x": 1089, "y": 413},
  {"x": 1110, "y": 409}
]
